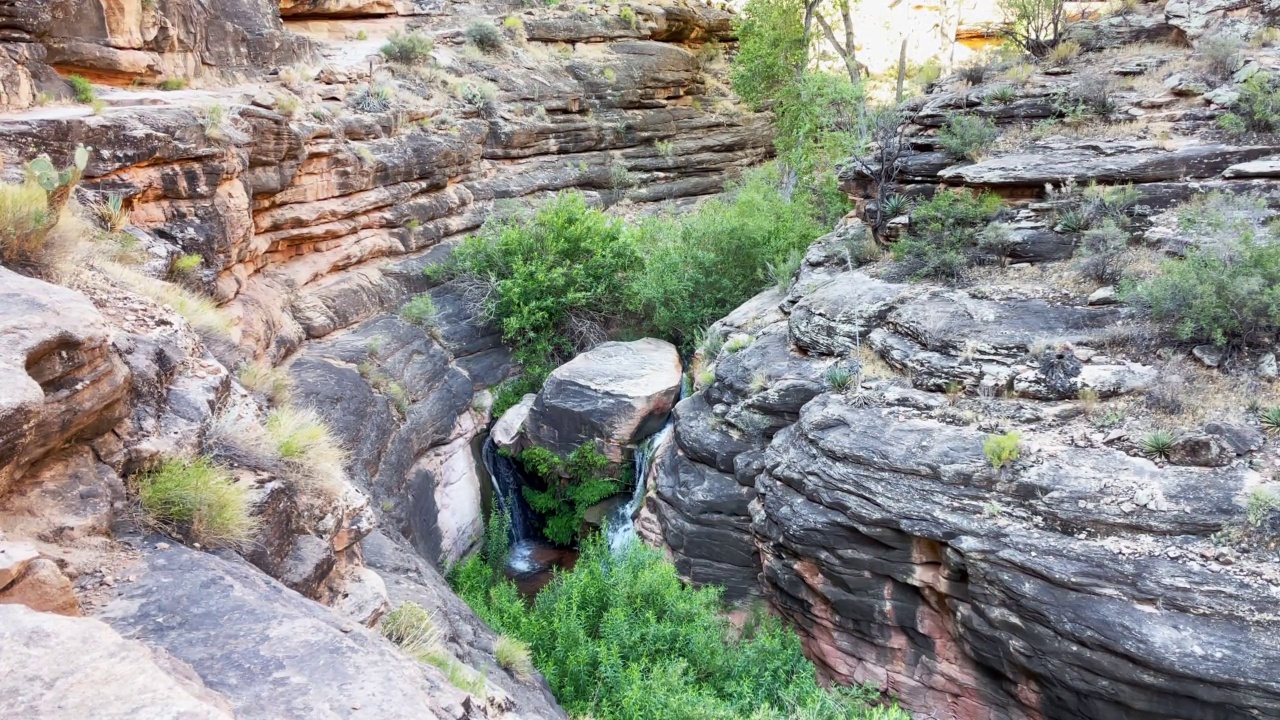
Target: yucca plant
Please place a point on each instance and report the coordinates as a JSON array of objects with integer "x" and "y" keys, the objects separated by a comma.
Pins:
[
  {"x": 895, "y": 205},
  {"x": 1157, "y": 444},
  {"x": 1270, "y": 419},
  {"x": 111, "y": 211},
  {"x": 838, "y": 378},
  {"x": 1002, "y": 95}
]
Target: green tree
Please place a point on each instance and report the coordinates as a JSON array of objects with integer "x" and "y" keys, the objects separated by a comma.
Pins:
[
  {"x": 772, "y": 49},
  {"x": 572, "y": 485}
]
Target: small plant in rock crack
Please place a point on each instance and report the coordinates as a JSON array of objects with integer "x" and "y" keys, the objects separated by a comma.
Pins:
[
  {"x": 1157, "y": 444},
  {"x": 839, "y": 378},
  {"x": 1270, "y": 419},
  {"x": 1002, "y": 449},
  {"x": 740, "y": 342},
  {"x": 1088, "y": 400},
  {"x": 954, "y": 391},
  {"x": 710, "y": 343}
]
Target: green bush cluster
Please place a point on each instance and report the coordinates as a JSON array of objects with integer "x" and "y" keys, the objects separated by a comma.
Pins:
[
  {"x": 967, "y": 136},
  {"x": 1258, "y": 107},
  {"x": 411, "y": 48},
  {"x": 485, "y": 36},
  {"x": 571, "y": 275},
  {"x": 572, "y": 485},
  {"x": 943, "y": 232},
  {"x": 1226, "y": 288},
  {"x": 620, "y": 637}
]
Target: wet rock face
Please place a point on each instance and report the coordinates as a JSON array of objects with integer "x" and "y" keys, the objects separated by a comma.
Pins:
[{"x": 616, "y": 393}]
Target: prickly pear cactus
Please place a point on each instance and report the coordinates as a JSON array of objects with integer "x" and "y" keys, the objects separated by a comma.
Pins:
[{"x": 56, "y": 183}]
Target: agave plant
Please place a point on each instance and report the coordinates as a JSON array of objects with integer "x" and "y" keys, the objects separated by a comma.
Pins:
[
  {"x": 1157, "y": 444},
  {"x": 1270, "y": 419}
]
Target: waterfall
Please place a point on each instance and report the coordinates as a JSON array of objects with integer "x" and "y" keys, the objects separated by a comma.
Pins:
[
  {"x": 620, "y": 529},
  {"x": 506, "y": 479}
]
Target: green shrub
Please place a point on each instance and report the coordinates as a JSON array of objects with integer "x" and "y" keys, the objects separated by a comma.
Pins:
[
  {"x": 1226, "y": 289},
  {"x": 1260, "y": 505},
  {"x": 82, "y": 89},
  {"x": 620, "y": 637},
  {"x": 199, "y": 501},
  {"x": 939, "y": 243},
  {"x": 1103, "y": 253},
  {"x": 699, "y": 266},
  {"x": 185, "y": 264},
  {"x": 741, "y": 342},
  {"x": 1232, "y": 123},
  {"x": 573, "y": 484},
  {"x": 171, "y": 84},
  {"x": 510, "y": 392},
  {"x": 784, "y": 271},
  {"x": 1002, "y": 449},
  {"x": 411, "y": 48},
  {"x": 967, "y": 136},
  {"x": 548, "y": 277},
  {"x": 1259, "y": 104},
  {"x": 420, "y": 311},
  {"x": 484, "y": 36},
  {"x": 838, "y": 378}
]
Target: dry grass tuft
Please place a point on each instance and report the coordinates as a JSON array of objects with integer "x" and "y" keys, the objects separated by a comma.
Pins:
[
  {"x": 198, "y": 500},
  {"x": 203, "y": 314},
  {"x": 308, "y": 448},
  {"x": 270, "y": 382}
]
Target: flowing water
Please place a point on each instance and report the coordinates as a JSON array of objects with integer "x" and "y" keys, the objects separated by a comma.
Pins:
[{"x": 620, "y": 528}]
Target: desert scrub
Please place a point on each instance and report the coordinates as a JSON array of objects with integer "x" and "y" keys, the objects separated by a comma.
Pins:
[
  {"x": 172, "y": 84},
  {"x": 267, "y": 381},
  {"x": 199, "y": 501},
  {"x": 201, "y": 312},
  {"x": 411, "y": 48},
  {"x": 1258, "y": 107},
  {"x": 620, "y": 637},
  {"x": 305, "y": 444},
  {"x": 1063, "y": 53},
  {"x": 414, "y": 630},
  {"x": 939, "y": 242},
  {"x": 1002, "y": 449},
  {"x": 1226, "y": 288},
  {"x": 1220, "y": 55},
  {"x": 31, "y": 211},
  {"x": 1261, "y": 504},
  {"x": 420, "y": 311},
  {"x": 511, "y": 391},
  {"x": 784, "y": 271},
  {"x": 484, "y": 36}
]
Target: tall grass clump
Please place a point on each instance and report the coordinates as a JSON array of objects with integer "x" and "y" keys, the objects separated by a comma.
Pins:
[
  {"x": 414, "y": 630},
  {"x": 199, "y": 501},
  {"x": 620, "y": 637},
  {"x": 201, "y": 312},
  {"x": 264, "y": 379},
  {"x": 307, "y": 446}
]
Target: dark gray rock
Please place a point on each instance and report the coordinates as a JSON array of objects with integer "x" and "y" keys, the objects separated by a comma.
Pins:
[
  {"x": 269, "y": 651},
  {"x": 614, "y": 395}
]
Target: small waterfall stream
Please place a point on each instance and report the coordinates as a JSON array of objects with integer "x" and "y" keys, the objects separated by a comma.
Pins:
[
  {"x": 506, "y": 478},
  {"x": 620, "y": 528}
]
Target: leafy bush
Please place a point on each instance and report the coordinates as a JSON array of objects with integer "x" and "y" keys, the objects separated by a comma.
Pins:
[
  {"x": 1226, "y": 290},
  {"x": 1258, "y": 107},
  {"x": 620, "y": 637},
  {"x": 510, "y": 392},
  {"x": 967, "y": 136},
  {"x": 942, "y": 233},
  {"x": 82, "y": 89},
  {"x": 420, "y": 311},
  {"x": 573, "y": 484},
  {"x": 484, "y": 36},
  {"x": 699, "y": 266},
  {"x": 553, "y": 283},
  {"x": 411, "y": 48},
  {"x": 1002, "y": 449},
  {"x": 199, "y": 501},
  {"x": 1260, "y": 505},
  {"x": 771, "y": 45}
]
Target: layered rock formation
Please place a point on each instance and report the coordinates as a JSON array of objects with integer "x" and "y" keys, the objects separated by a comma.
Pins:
[{"x": 836, "y": 463}]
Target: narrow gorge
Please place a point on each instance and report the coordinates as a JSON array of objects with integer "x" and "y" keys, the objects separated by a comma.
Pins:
[{"x": 349, "y": 347}]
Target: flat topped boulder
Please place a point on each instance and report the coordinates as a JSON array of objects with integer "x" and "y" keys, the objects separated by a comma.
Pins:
[{"x": 617, "y": 393}]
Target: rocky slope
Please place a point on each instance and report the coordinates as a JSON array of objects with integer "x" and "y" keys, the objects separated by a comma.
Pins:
[
  {"x": 1083, "y": 580},
  {"x": 312, "y": 214}
]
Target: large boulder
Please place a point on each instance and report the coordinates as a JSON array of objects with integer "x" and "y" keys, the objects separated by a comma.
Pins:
[
  {"x": 617, "y": 393},
  {"x": 60, "y": 378},
  {"x": 57, "y": 667}
]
